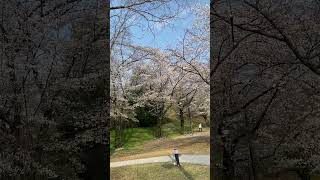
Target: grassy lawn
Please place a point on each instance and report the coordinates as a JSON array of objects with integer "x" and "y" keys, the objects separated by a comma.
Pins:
[
  {"x": 198, "y": 143},
  {"x": 170, "y": 130},
  {"x": 133, "y": 138},
  {"x": 161, "y": 171},
  {"x": 197, "y": 148},
  {"x": 142, "y": 143},
  {"x": 164, "y": 171}
]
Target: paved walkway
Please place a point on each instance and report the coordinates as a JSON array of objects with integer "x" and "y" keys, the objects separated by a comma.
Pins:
[{"x": 192, "y": 159}]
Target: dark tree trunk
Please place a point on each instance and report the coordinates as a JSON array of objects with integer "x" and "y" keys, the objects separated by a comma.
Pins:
[
  {"x": 205, "y": 120},
  {"x": 253, "y": 173},
  {"x": 228, "y": 165},
  {"x": 118, "y": 136},
  {"x": 303, "y": 174},
  {"x": 159, "y": 130},
  {"x": 216, "y": 170},
  {"x": 189, "y": 115},
  {"x": 216, "y": 152},
  {"x": 94, "y": 160},
  {"x": 181, "y": 120}
]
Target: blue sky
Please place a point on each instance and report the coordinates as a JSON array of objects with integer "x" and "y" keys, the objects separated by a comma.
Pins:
[{"x": 168, "y": 36}]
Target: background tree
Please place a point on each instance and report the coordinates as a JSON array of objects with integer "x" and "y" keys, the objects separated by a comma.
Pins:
[
  {"x": 50, "y": 78},
  {"x": 260, "y": 97},
  {"x": 127, "y": 56}
]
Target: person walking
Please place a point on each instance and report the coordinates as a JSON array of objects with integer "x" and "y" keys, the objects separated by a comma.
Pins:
[
  {"x": 200, "y": 127},
  {"x": 176, "y": 156}
]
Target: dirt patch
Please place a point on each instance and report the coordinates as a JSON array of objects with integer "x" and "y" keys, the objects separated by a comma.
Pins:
[{"x": 176, "y": 142}]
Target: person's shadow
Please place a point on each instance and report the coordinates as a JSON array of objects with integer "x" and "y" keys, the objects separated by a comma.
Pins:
[
  {"x": 188, "y": 175},
  {"x": 185, "y": 173}
]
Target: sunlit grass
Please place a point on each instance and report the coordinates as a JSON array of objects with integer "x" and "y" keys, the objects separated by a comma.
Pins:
[
  {"x": 196, "y": 148},
  {"x": 133, "y": 138},
  {"x": 161, "y": 171}
]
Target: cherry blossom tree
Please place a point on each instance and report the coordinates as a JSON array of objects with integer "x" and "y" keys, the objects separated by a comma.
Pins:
[
  {"x": 126, "y": 56},
  {"x": 261, "y": 69},
  {"x": 52, "y": 62},
  {"x": 191, "y": 60}
]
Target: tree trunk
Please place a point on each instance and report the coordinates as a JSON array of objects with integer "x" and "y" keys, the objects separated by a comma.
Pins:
[
  {"x": 159, "y": 130},
  {"x": 216, "y": 150},
  {"x": 228, "y": 164},
  {"x": 189, "y": 115},
  {"x": 94, "y": 160},
  {"x": 205, "y": 120},
  {"x": 118, "y": 135},
  {"x": 181, "y": 120},
  {"x": 304, "y": 174},
  {"x": 253, "y": 173}
]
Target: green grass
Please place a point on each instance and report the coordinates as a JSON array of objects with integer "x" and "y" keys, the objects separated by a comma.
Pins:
[
  {"x": 172, "y": 128},
  {"x": 133, "y": 137},
  {"x": 164, "y": 171},
  {"x": 161, "y": 171}
]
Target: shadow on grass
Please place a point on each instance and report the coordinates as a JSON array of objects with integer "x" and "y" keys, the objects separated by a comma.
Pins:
[
  {"x": 172, "y": 159},
  {"x": 185, "y": 173},
  {"x": 169, "y": 166},
  {"x": 188, "y": 175}
]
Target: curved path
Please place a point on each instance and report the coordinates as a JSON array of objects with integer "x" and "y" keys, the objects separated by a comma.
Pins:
[{"x": 193, "y": 159}]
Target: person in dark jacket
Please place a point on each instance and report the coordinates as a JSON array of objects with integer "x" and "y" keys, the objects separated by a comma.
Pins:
[{"x": 176, "y": 156}]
